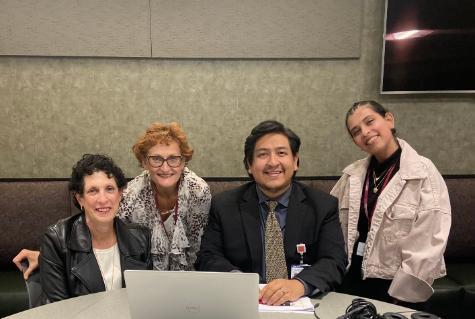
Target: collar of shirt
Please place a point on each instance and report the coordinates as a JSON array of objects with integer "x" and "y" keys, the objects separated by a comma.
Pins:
[
  {"x": 282, "y": 200},
  {"x": 281, "y": 209},
  {"x": 379, "y": 168}
]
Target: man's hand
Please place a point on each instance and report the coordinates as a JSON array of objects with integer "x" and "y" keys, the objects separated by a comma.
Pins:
[
  {"x": 30, "y": 256},
  {"x": 279, "y": 291}
]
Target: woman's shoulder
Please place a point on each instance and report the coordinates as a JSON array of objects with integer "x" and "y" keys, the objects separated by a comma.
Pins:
[
  {"x": 415, "y": 165},
  {"x": 64, "y": 229},
  {"x": 133, "y": 228},
  {"x": 194, "y": 183},
  {"x": 65, "y": 224},
  {"x": 357, "y": 167},
  {"x": 137, "y": 185},
  {"x": 136, "y": 237}
]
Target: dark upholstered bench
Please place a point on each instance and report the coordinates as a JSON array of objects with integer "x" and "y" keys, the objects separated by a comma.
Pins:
[
  {"x": 454, "y": 295},
  {"x": 28, "y": 206}
]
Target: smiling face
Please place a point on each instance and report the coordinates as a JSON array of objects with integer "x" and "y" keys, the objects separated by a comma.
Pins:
[
  {"x": 273, "y": 164},
  {"x": 100, "y": 199},
  {"x": 165, "y": 177},
  {"x": 372, "y": 132}
]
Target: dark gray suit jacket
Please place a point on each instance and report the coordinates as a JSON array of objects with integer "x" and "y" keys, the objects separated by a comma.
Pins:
[{"x": 232, "y": 239}]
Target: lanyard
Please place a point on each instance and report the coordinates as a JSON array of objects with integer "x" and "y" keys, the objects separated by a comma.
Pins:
[{"x": 369, "y": 214}]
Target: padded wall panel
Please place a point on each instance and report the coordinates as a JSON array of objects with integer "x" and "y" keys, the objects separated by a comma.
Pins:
[
  {"x": 115, "y": 28},
  {"x": 256, "y": 29},
  {"x": 27, "y": 209}
]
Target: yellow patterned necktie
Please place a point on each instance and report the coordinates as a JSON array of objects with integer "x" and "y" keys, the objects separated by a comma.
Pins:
[{"x": 274, "y": 246}]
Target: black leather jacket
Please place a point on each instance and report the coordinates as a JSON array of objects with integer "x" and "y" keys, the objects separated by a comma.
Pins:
[{"x": 68, "y": 267}]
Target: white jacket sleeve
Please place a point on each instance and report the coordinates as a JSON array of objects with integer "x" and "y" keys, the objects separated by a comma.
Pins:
[{"x": 423, "y": 248}]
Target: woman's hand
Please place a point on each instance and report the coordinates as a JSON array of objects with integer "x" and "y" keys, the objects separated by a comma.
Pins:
[{"x": 29, "y": 258}]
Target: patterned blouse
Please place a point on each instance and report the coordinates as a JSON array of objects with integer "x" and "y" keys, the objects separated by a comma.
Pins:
[{"x": 174, "y": 244}]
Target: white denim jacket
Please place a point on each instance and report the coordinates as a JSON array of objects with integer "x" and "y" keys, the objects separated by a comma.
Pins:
[{"x": 410, "y": 224}]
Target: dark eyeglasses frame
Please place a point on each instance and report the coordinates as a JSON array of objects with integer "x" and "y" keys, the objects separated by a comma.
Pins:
[{"x": 173, "y": 157}]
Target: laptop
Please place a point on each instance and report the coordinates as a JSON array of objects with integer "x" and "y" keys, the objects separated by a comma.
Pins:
[{"x": 192, "y": 294}]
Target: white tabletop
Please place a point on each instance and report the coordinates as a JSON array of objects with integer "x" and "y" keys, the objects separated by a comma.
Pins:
[{"x": 114, "y": 305}]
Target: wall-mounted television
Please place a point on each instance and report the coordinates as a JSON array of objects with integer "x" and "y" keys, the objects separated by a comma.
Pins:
[{"x": 429, "y": 47}]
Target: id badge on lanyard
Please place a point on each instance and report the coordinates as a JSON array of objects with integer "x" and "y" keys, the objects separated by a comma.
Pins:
[
  {"x": 360, "y": 249},
  {"x": 296, "y": 269}
]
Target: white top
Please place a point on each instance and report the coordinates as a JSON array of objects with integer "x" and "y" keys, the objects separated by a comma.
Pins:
[{"x": 109, "y": 265}]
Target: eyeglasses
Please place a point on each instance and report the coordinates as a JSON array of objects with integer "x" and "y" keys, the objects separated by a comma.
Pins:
[{"x": 157, "y": 161}]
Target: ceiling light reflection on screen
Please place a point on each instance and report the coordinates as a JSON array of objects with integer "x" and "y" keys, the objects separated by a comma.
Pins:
[{"x": 404, "y": 35}]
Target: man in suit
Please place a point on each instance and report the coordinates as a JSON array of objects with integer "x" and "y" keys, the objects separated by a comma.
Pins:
[{"x": 235, "y": 238}]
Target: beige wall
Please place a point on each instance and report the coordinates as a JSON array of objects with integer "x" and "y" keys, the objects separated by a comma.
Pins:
[{"x": 52, "y": 110}]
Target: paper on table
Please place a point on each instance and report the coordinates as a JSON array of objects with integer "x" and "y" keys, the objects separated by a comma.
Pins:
[{"x": 303, "y": 305}]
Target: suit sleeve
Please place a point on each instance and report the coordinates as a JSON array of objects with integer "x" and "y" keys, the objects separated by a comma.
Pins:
[
  {"x": 52, "y": 268},
  {"x": 328, "y": 269},
  {"x": 211, "y": 256}
]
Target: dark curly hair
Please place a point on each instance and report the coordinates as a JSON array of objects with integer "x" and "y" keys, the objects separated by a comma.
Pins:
[
  {"x": 89, "y": 164},
  {"x": 267, "y": 127}
]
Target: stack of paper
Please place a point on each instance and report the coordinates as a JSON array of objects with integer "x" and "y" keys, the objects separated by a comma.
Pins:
[{"x": 303, "y": 305}]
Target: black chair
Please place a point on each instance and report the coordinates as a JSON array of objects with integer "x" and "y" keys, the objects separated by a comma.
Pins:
[{"x": 36, "y": 296}]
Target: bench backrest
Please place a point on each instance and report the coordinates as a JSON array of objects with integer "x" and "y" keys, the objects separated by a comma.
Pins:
[{"x": 27, "y": 207}]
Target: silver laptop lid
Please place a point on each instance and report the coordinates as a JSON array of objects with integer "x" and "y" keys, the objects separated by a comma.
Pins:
[{"x": 192, "y": 294}]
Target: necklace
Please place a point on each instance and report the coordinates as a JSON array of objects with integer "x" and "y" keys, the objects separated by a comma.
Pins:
[
  {"x": 171, "y": 198},
  {"x": 110, "y": 283},
  {"x": 175, "y": 217},
  {"x": 383, "y": 173},
  {"x": 164, "y": 215},
  {"x": 378, "y": 180}
]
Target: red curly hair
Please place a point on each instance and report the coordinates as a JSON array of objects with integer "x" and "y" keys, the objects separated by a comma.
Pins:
[{"x": 159, "y": 133}]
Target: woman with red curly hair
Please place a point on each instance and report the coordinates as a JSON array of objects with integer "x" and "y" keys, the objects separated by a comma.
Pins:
[{"x": 168, "y": 198}]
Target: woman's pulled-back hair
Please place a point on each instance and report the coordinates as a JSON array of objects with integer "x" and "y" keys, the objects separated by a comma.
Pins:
[{"x": 375, "y": 106}]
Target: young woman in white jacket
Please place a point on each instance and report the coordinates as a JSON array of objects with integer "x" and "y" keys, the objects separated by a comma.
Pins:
[{"x": 394, "y": 212}]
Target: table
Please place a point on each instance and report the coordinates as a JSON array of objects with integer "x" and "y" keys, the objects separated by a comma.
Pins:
[{"x": 114, "y": 305}]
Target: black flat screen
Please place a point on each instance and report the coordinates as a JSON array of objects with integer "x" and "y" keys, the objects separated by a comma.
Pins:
[{"x": 429, "y": 46}]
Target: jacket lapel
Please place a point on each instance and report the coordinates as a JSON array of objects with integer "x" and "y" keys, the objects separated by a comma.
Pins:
[
  {"x": 84, "y": 265},
  {"x": 250, "y": 216},
  {"x": 128, "y": 249},
  {"x": 87, "y": 271},
  {"x": 296, "y": 213},
  {"x": 410, "y": 169}
]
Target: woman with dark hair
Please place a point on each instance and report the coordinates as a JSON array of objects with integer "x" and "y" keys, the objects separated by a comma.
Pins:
[
  {"x": 394, "y": 211},
  {"x": 89, "y": 252}
]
